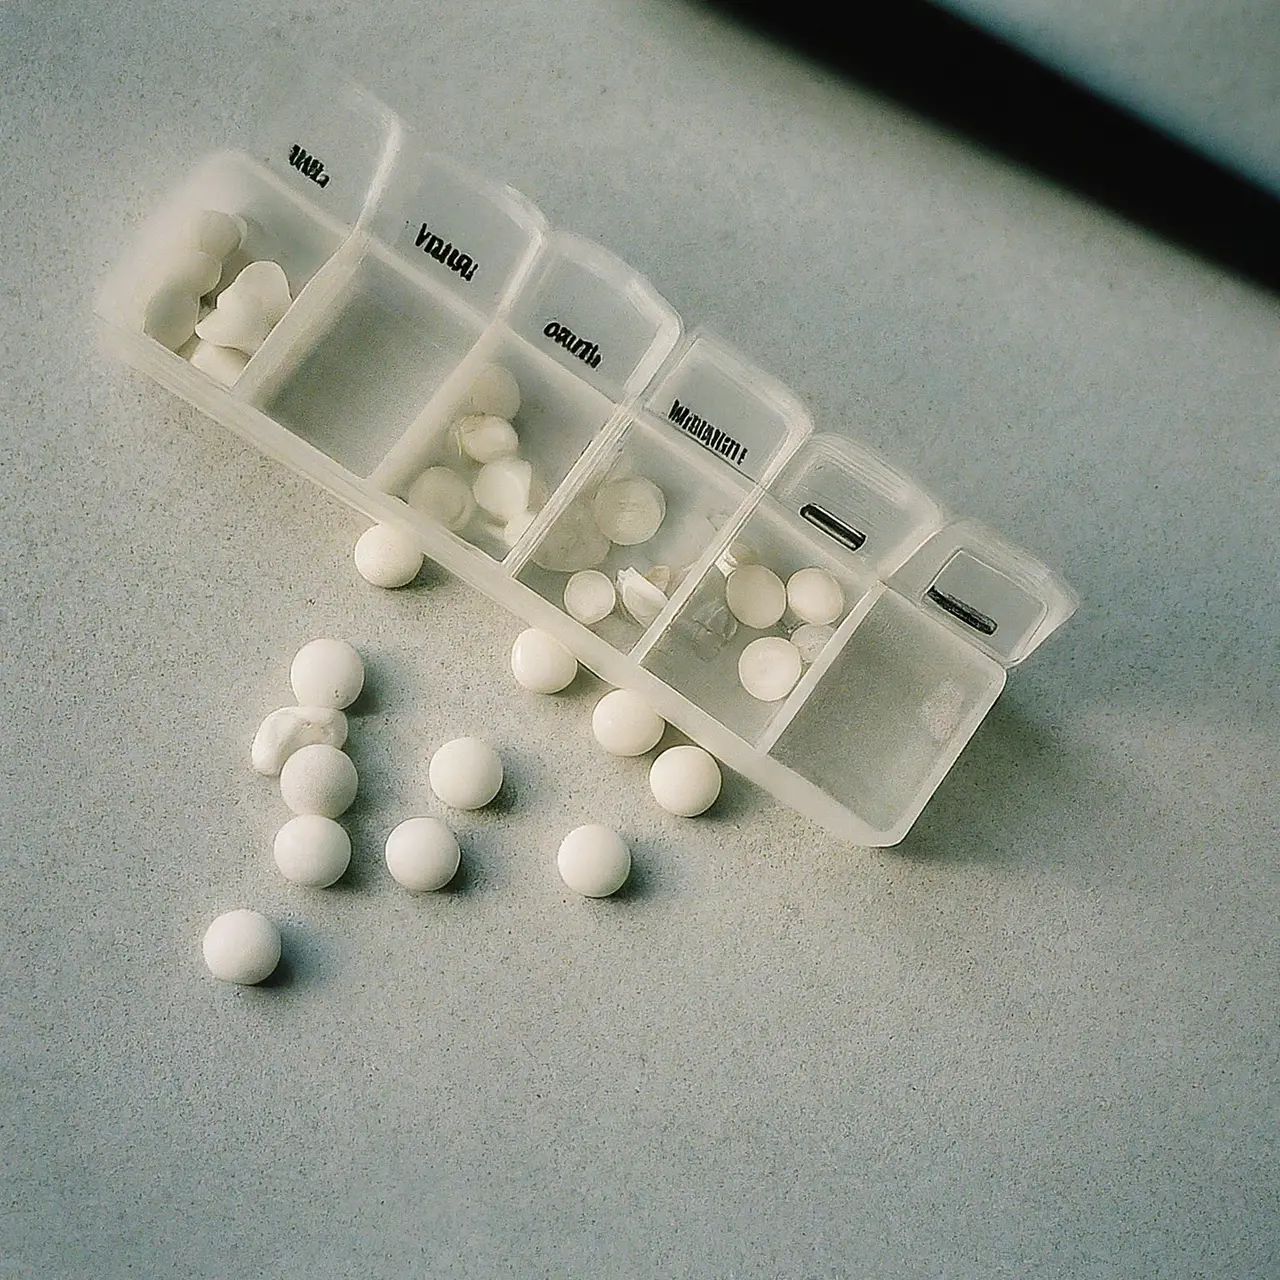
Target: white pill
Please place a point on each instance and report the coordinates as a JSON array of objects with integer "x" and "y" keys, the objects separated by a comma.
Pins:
[
  {"x": 573, "y": 542},
  {"x": 494, "y": 390},
  {"x": 486, "y": 438},
  {"x": 268, "y": 285},
  {"x": 236, "y": 321},
  {"x": 625, "y": 725},
  {"x": 660, "y": 575},
  {"x": 222, "y": 364},
  {"x": 685, "y": 781},
  {"x": 815, "y": 596},
  {"x": 214, "y": 232},
  {"x": 589, "y": 597},
  {"x": 769, "y": 668},
  {"x": 170, "y": 315},
  {"x": 312, "y": 850},
  {"x": 193, "y": 270},
  {"x": 444, "y": 496},
  {"x": 641, "y": 600},
  {"x": 594, "y": 861},
  {"x": 326, "y": 673},
  {"x": 755, "y": 595},
  {"x": 517, "y": 527},
  {"x": 541, "y": 663},
  {"x": 629, "y": 510},
  {"x": 503, "y": 488},
  {"x": 810, "y": 639},
  {"x": 288, "y": 728},
  {"x": 387, "y": 556},
  {"x": 319, "y": 779},
  {"x": 242, "y": 946},
  {"x": 466, "y": 773},
  {"x": 423, "y": 854}
]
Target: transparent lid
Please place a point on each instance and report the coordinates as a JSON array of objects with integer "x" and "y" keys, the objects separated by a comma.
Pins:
[
  {"x": 995, "y": 596},
  {"x": 598, "y": 317},
  {"x": 734, "y": 410}
]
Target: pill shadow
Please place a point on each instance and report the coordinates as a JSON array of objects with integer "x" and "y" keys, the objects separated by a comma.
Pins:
[{"x": 304, "y": 961}]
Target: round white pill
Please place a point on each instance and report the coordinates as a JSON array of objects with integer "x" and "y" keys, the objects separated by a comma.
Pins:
[
  {"x": 815, "y": 596},
  {"x": 685, "y": 781},
  {"x": 629, "y": 510},
  {"x": 494, "y": 390},
  {"x": 594, "y": 861},
  {"x": 423, "y": 854},
  {"x": 444, "y": 496},
  {"x": 242, "y": 946},
  {"x": 213, "y": 232},
  {"x": 222, "y": 364},
  {"x": 288, "y": 728},
  {"x": 625, "y": 725},
  {"x": 810, "y": 639},
  {"x": 466, "y": 773},
  {"x": 312, "y": 850},
  {"x": 589, "y": 597},
  {"x": 503, "y": 488},
  {"x": 326, "y": 673},
  {"x": 486, "y": 438},
  {"x": 573, "y": 542},
  {"x": 319, "y": 779},
  {"x": 769, "y": 668},
  {"x": 387, "y": 556},
  {"x": 541, "y": 663},
  {"x": 641, "y": 600},
  {"x": 170, "y": 315},
  {"x": 755, "y": 595}
]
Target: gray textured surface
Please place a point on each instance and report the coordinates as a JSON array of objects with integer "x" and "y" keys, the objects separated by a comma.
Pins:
[{"x": 1038, "y": 1040}]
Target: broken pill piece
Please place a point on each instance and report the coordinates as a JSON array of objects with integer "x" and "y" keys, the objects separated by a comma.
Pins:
[
  {"x": 768, "y": 668},
  {"x": 268, "y": 285},
  {"x": 236, "y": 322},
  {"x": 443, "y": 495},
  {"x": 589, "y": 597},
  {"x": 288, "y": 728},
  {"x": 755, "y": 595},
  {"x": 810, "y": 639},
  {"x": 629, "y": 510},
  {"x": 641, "y": 600},
  {"x": 387, "y": 556}
]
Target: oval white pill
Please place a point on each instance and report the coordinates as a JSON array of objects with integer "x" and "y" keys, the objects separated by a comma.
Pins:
[
  {"x": 387, "y": 556},
  {"x": 423, "y": 855},
  {"x": 573, "y": 542},
  {"x": 222, "y": 364},
  {"x": 815, "y": 596},
  {"x": 242, "y": 946},
  {"x": 193, "y": 270},
  {"x": 326, "y": 673},
  {"x": 494, "y": 390},
  {"x": 213, "y": 232},
  {"x": 641, "y": 600},
  {"x": 594, "y": 861},
  {"x": 685, "y": 781},
  {"x": 312, "y": 850},
  {"x": 443, "y": 495},
  {"x": 503, "y": 488},
  {"x": 268, "y": 285},
  {"x": 589, "y": 597},
  {"x": 170, "y": 315},
  {"x": 629, "y": 510},
  {"x": 541, "y": 663},
  {"x": 768, "y": 668},
  {"x": 235, "y": 322},
  {"x": 625, "y": 725},
  {"x": 755, "y": 595},
  {"x": 319, "y": 779},
  {"x": 810, "y": 639},
  {"x": 486, "y": 438},
  {"x": 466, "y": 773},
  {"x": 288, "y": 728}
]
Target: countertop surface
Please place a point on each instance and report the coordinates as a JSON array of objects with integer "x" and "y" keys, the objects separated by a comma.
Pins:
[{"x": 1036, "y": 1039}]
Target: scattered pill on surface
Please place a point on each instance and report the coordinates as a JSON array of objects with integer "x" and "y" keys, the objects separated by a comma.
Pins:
[
  {"x": 222, "y": 364},
  {"x": 589, "y": 597},
  {"x": 815, "y": 596},
  {"x": 443, "y": 495},
  {"x": 319, "y": 779},
  {"x": 629, "y": 510},
  {"x": 540, "y": 663},
  {"x": 769, "y": 668},
  {"x": 641, "y": 600},
  {"x": 288, "y": 728},
  {"x": 755, "y": 595},
  {"x": 486, "y": 438},
  {"x": 466, "y": 773},
  {"x": 685, "y": 781},
  {"x": 312, "y": 850},
  {"x": 810, "y": 639},
  {"x": 573, "y": 542},
  {"x": 423, "y": 855},
  {"x": 326, "y": 673},
  {"x": 625, "y": 725},
  {"x": 594, "y": 861},
  {"x": 711, "y": 626},
  {"x": 213, "y": 232},
  {"x": 503, "y": 488},
  {"x": 242, "y": 946},
  {"x": 387, "y": 556},
  {"x": 495, "y": 391},
  {"x": 170, "y": 315}
]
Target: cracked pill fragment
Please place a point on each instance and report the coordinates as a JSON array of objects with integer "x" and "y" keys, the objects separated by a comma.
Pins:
[
  {"x": 810, "y": 639},
  {"x": 222, "y": 364},
  {"x": 768, "y": 668},
  {"x": 242, "y": 947},
  {"x": 287, "y": 729},
  {"x": 312, "y": 850},
  {"x": 641, "y": 600},
  {"x": 503, "y": 488}
]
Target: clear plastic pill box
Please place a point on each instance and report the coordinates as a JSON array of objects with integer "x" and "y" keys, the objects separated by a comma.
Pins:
[{"x": 409, "y": 275}]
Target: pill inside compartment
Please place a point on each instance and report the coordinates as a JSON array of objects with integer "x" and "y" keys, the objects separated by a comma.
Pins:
[
  {"x": 699, "y": 653},
  {"x": 664, "y": 498}
]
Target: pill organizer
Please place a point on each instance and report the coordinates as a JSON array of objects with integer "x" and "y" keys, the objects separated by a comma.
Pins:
[{"x": 409, "y": 274}]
